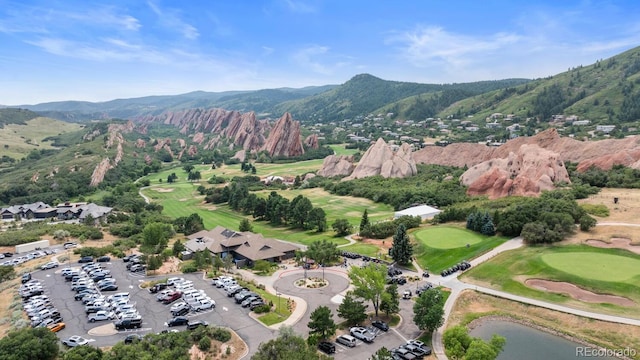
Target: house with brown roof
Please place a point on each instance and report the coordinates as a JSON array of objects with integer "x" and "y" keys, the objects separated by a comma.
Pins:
[{"x": 245, "y": 247}]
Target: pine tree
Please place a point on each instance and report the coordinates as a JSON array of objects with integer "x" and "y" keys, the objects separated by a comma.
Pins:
[
  {"x": 401, "y": 250},
  {"x": 364, "y": 222}
]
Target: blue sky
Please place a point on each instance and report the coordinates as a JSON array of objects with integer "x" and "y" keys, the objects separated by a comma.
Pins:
[{"x": 101, "y": 50}]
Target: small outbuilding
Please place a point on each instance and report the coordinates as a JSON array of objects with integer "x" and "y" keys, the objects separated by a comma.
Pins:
[{"x": 424, "y": 211}]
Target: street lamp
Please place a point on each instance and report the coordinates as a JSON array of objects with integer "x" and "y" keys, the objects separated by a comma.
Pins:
[{"x": 278, "y": 295}]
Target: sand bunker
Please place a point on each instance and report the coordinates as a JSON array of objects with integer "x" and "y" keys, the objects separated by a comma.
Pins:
[
  {"x": 162, "y": 190},
  {"x": 616, "y": 243},
  {"x": 576, "y": 292}
]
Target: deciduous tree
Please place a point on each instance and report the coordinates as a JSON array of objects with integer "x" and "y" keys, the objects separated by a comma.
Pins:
[
  {"x": 29, "y": 343},
  {"x": 323, "y": 252},
  {"x": 429, "y": 310},
  {"x": 342, "y": 227},
  {"x": 390, "y": 300},
  {"x": 369, "y": 283}
]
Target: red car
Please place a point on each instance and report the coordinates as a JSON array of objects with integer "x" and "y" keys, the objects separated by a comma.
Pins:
[{"x": 172, "y": 297}]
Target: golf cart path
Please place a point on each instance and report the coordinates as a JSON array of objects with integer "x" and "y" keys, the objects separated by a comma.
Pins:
[{"x": 457, "y": 286}]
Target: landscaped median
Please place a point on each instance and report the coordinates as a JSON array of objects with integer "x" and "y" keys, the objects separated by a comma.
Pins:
[{"x": 281, "y": 307}]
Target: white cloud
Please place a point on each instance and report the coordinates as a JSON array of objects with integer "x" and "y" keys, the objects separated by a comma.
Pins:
[
  {"x": 299, "y": 6},
  {"x": 423, "y": 46},
  {"x": 170, "y": 19},
  {"x": 318, "y": 59}
]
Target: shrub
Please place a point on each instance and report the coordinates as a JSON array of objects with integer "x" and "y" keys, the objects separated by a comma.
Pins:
[
  {"x": 189, "y": 266},
  {"x": 599, "y": 210},
  {"x": 220, "y": 334},
  {"x": 205, "y": 343},
  {"x": 262, "y": 309}
]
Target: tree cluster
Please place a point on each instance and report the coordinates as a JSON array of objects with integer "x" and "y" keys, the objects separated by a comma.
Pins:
[
  {"x": 482, "y": 222},
  {"x": 458, "y": 345},
  {"x": 188, "y": 224},
  {"x": 427, "y": 187},
  {"x": 384, "y": 229},
  {"x": 247, "y": 167}
]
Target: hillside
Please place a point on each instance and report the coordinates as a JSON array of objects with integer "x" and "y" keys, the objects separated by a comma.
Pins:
[
  {"x": 604, "y": 92},
  {"x": 18, "y": 138},
  {"x": 16, "y": 116}
]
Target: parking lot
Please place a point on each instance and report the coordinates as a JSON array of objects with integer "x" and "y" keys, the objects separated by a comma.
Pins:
[{"x": 154, "y": 313}]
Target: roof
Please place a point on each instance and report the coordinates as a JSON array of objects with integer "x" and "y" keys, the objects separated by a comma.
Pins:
[
  {"x": 420, "y": 210},
  {"x": 247, "y": 244}
]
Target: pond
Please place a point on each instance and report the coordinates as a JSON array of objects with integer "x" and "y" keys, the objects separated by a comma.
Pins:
[{"x": 527, "y": 343}]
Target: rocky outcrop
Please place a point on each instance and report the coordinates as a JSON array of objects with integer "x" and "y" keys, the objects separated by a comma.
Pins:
[
  {"x": 337, "y": 165},
  {"x": 243, "y": 129},
  {"x": 380, "y": 159},
  {"x": 99, "y": 171},
  {"x": 311, "y": 142},
  {"x": 181, "y": 143},
  {"x": 526, "y": 172},
  {"x": 600, "y": 153},
  {"x": 284, "y": 138},
  {"x": 192, "y": 151},
  {"x": 140, "y": 144}
]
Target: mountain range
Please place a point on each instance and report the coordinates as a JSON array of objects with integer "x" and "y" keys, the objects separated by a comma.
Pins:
[{"x": 604, "y": 91}]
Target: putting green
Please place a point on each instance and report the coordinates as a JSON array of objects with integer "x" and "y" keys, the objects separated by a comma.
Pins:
[
  {"x": 443, "y": 237},
  {"x": 590, "y": 265}
]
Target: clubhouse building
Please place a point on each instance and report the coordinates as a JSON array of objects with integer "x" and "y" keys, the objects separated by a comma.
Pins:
[{"x": 245, "y": 247}]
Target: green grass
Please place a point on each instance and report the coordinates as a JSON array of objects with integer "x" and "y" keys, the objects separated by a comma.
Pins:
[
  {"x": 603, "y": 267},
  {"x": 366, "y": 249},
  {"x": 437, "y": 259},
  {"x": 508, "y": 270},
  {"x": 281, "y": 311},
  {"x": 184, "y": 200},
  {"x": 447, "y": 237},
  {"x": 339, "y": 149},
  {"x": 21, "y": 139}
]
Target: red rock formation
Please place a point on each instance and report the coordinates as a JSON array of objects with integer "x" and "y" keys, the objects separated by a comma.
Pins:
[
  {"x": 99, "y": 171},
  {"x": 380, "y": 159},
  {"x": 600, "y": 153},
  {"x": 311, "y": 142},
  {"x": 198, "y": 138},
  {"x": 528, "y": 172},
  {"x": 337, "y": 165},
  {"x": 140, "y": 144},
  {"x": 284, "y": 138},
  {"x": 193, "y": 150},
  {"x": 147, "y": 159},
  {"x": 246, "y": 131},
  {"x": 181, "y": 143}
]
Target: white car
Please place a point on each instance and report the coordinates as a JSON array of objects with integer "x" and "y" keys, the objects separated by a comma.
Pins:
[
  {"x": 102, "y": 315},
  {"x": 50, "y": 265},
  {"x": 203, "y": 305},
  {"x": 173, "y": 280},
  {"x": 74, "y": 341},
  {"x": 362, "y": 334}
]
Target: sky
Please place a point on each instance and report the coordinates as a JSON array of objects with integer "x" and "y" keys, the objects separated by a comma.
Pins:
[{"x": 55, "y": 50}]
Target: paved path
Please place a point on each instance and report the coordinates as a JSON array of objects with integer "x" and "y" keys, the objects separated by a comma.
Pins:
[{"x": 351, "y": 241}]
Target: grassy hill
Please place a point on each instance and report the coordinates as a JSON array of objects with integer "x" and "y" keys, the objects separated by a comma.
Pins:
[
  {"x": 15, "y": 116},
  {"x": 604, "y": 92},
  {"x": 18, "y": 138}
]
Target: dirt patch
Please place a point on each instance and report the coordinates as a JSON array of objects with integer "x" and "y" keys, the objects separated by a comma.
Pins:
[
  {"x": 626, "y": 208},
  {"x": 237, "y": 349},
  {"x": 472, "y": 305},
  {"x": 162, "y": 190},
  {"x": 616, "y": 243},
  {"x": 381, "y": 244},
  {"x": 577, "y": 292},
  {"x": 606, "y": 234}
]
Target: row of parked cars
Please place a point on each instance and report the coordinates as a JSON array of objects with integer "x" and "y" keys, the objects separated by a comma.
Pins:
[
  {"x": 184, "y": 299},
  {"x": 38, "y": 306},
  {"x": 134, "y": 263},
  {"x": 464, "y": 265},
  {"x": 17, "y": 260},
  {"x": 242, "y": 296}
]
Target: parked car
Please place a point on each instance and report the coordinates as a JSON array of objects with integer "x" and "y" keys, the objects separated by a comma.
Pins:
[
  {"x": 74, "y": 341},
  {"x": 327, "y": 347},
  {"x": 128, "y": 323},
  {"x": 380, "y": 325},
  {"x": 346, "y": 340},
  {"x": 403, "y": 353},
  {"x": 26, "y": 277},
  {"x": 70, "y": 245},
  {"x": 203, "y": 305},
  {"x": 417, "y": 350},
  {"x": 131, "y": 338},
  {"x": 108, "y": 287},
  {"x": 192, "y": 325},
  {"x": 55, "y": 327},
  {"x": 177, "y": 321},
  {"x": 157, "y": 287},
  {"x": 421, "y": 345},
  {"x": 172, "y": 297},
  {"x": 104, "y": 258},
  {"x": 102, "y": 315},
  {"x": 362, "y": 334},
  {"x": 86, "y": 259},
  {"x": 50, "y": 265}
]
